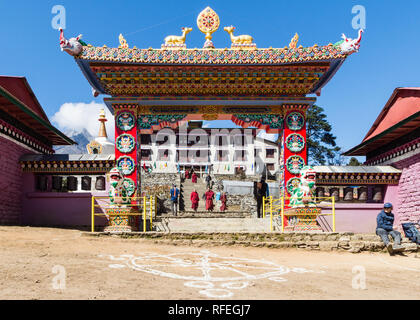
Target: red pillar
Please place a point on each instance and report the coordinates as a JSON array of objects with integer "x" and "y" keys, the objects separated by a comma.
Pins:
[
  {"x": 294, "y": 143},
  {"x": 126, "y": 146}
]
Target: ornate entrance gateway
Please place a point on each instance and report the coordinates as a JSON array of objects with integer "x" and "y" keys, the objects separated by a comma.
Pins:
[{"x": 266, "y": 88}]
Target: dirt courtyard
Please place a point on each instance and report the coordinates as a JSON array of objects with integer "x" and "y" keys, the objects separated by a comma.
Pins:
[{"x": 48, "y": 263}]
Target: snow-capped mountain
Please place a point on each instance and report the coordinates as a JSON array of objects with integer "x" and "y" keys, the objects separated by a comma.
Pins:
[{"x": 82, "y": 138}]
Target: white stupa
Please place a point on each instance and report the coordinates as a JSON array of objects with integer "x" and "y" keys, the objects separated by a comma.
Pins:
[{"x": 101, "y": 144}]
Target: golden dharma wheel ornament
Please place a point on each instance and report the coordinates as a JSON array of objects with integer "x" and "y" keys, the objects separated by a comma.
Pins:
[{"x": 208, "y": 22}]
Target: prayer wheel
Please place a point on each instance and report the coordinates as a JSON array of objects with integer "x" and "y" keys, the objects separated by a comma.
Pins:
[
  {"x": 57, "y": 183},
  {"x": 100, "y": 183},
  {"x": 42, "y": 183},
  {"x": 334, "y": 192},
  {"x": 348, "y": 194},
  {"x": 86, "y": 183},
  {"x": 71, "y": 183},
  {"x": 362, "y": 194},
  {"x": 320, "y": 193},
  {"x": 377, "y": 194}
]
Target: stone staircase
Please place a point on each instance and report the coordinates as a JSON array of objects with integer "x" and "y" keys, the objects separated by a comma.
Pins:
[{"x": 186, "y": 187}]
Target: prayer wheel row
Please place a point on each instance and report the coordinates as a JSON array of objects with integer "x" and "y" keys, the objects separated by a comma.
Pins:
[
  {"x": 71, "y": 183},
  {"x": 348, "y": 195}
]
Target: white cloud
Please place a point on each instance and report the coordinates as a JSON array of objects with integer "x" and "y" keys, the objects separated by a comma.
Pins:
[{"x": 78, "y": 116}]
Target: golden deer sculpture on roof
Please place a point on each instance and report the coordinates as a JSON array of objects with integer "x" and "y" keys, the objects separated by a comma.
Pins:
[
  {"x": 178, "y": 39},
  {"x": 242, "y": 39}
]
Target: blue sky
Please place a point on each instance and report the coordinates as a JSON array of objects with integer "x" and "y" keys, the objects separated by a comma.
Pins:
[{"x": 388, "y": 58}]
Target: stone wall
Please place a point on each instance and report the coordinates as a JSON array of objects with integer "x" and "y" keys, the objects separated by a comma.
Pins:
[
  {"x": 220, "y": 177},
  {"x": 159, "y": 184},
  {"x": 244, "y": 203},
  {"x": 11, "y": 183},
  {"x": 408, "y": 209},
  {"x": 344, "y": 241}
]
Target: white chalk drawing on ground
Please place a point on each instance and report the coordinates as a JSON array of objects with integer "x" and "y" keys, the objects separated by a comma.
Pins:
[{"x": 217, "y": 276}]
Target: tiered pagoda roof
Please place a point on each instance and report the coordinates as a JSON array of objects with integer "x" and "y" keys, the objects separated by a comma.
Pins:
[
  {"x": 20, "y": 108},
  {"x": 175, "y": 71}
]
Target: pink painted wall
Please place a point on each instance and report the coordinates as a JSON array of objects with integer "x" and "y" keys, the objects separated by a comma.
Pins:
[
  {"x": 11, "y": 183},
  {"x": 409, "y": 190},
  {"x": 56, "y": 208},
  {"x": 352, "y": 217},
  {"x": 391, "y": 195}
]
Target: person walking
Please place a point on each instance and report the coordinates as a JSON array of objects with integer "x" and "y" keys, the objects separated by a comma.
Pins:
[
  {"x": 174, "y": 199},
  {"x": 208, "y": 182},
  {"x": 384, "y": 228},
  {"x": 209, "y": 195},
  {"x": 260, "y": 191},
  {"x": 187, "y": 174},
  {"x": 194, "y": 200},
  {"x": 223, "y": 198},
  {"x": 194, "y": 178}
]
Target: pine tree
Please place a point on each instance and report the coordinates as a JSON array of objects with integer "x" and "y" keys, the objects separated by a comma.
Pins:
[
  {"x": 354, "y": 162},
  {"x": 322, "y": 148}
]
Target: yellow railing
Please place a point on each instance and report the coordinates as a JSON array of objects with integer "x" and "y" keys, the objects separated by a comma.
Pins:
[
  {"x": 276, "y": 208},
  {"x": 140, "y": 207}
]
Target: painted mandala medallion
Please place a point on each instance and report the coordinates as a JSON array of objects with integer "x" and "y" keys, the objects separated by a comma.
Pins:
[
  {"x": 294, "y": 164},
  {"x": 126, "y": 165},
  {"x": 125, "y": 121},
  {"x": 295, "y": 142},
  {"x": 130, "y": 186},
  {"x": 125, "y": 143},
  {"x": 295, "y": 121},
  {"x": 292, "y": 184}
]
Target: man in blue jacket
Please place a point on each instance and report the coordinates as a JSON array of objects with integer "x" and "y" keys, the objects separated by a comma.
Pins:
[
  {"x": 174, "y": 199},
  {"x": 385, "y": 222}
]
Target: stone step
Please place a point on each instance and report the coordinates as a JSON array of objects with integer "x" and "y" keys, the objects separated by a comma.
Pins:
[
  {"x": 206, "y": 214},
  {"x": 321, "y": 241}
]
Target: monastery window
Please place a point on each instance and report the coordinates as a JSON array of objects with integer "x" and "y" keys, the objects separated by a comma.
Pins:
[
  {"x": 222, "y": 155},
  {"x": 146, "y": 154},
  {"x": 270, "y": 166},
  {"x": 269, "y": 153},
  {"x": 240, "y": 155},
  {"x": 163, "y": 154},
  {"x": 145, "y": 139}
]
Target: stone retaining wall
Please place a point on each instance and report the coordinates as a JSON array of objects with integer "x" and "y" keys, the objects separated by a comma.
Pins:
[
  {"x": 344, "y": 241},
  {"x": 159, "y": 184}
]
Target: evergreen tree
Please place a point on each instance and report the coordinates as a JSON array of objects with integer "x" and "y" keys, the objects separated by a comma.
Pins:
[
  {"x": 321, "y": 145},
  {"x": 354, "y": 162}
]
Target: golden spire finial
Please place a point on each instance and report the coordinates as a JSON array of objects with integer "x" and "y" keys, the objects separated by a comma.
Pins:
[
  {"x": 294, "y": 41},
  {"x": 102, "y": 119},
  {"x": 123, "y": 42}
]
